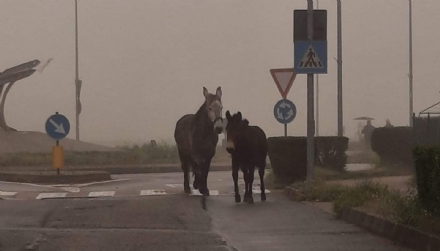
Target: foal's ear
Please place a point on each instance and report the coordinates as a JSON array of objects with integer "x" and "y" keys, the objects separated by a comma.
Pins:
[
  {"x": 239, "y": 115},
  {"x": 218, "y": 93},
  {"x": 205, "y": 92},
  {"x": 228, "y": 115}
]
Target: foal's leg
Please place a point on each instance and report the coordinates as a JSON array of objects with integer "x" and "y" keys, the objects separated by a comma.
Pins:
[
  {"x": 245, "y": 169},
  {"x": 251, "y": 170},
  {"x": 261, "y": 170},
  {"x": 235, "y": 167}
]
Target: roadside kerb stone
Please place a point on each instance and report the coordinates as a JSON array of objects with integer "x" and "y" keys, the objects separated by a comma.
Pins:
[{"x": 46, "y": 177}]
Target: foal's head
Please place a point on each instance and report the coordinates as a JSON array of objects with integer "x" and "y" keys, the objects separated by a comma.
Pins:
[
  {"x": 213, "y": 105},
  {"x": 235, "y": 124}
]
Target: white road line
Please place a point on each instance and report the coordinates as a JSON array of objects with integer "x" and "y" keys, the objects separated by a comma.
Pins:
[
  {"x": 197, "y": 193},
  {"x": 8, "y": 194},
  {"x": 170, "y": 185},
  {"x": 153, "y": 192},
  {"x": 50, "y": 195},
  {"x": 102, "y": 194},
  {"x": 257, "y": 190}
]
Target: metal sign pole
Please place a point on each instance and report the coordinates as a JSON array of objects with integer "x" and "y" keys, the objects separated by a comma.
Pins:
[
  {"x": 340, "y": 111},
  {"x": 310, "y": 103}
]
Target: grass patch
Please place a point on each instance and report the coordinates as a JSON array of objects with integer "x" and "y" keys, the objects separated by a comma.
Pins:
[
  {"x": 375, "y": 199},
  {"x": 161, "y": 153}
]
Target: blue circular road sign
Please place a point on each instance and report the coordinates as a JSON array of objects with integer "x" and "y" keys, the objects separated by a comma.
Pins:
[
  {"x": 284, "y": 111},
  {"x": 57, "y": 126}
]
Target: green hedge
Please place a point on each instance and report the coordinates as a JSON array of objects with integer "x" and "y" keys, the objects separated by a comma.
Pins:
[
  {"x": 288, "y": 155},
  {"x": 330, "y": 152},
  {"x": 427, "y": 164},
  {"x": 393, "y": 145}
]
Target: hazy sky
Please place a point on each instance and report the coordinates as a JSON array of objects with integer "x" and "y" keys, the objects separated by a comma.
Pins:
[{"x": 144, "y": 62}]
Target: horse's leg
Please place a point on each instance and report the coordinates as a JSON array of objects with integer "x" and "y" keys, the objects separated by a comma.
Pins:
[
  {"x": 185, "y": 168},
  {"x": 251, "y": 170},
  {"x": 195, "y": 170},
  {"x": 204, "y": 179},
  {"x": 261, "y": 171},
  {"x": 235, "y": 167}
]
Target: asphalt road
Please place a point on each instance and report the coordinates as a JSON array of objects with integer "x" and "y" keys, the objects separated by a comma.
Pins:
[{"x": 171, "y": 221}]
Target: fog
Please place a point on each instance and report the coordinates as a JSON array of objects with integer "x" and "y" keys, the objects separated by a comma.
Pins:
[{"x": 144, "y": 63}]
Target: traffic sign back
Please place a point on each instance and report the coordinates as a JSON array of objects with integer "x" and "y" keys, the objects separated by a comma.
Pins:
[{"x": 283, "y": 79}]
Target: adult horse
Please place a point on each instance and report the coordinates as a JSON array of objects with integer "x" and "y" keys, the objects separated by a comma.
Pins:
[
  {"x": 248, "y": 147},
  {"x": 196, "y": 136}
]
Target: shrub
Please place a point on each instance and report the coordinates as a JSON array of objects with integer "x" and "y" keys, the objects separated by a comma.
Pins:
[
  {"x": 330, "y": 152},
  {"x": 427, "y": 164},
  {"x": 393, "y": 145},
  {"x": 288, "y": 156}
]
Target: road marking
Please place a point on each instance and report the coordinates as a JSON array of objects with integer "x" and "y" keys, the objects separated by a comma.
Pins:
[
  {"x": 71, "y": 189},
  {"x": 102, "y": 194},
  {"x": 50, "y": 195},
  {"x": 8, "y": 194},
  {"x": 197, "y": 193},
  {"x": 257, "y": 190},
  {"x": 153, "y": 192}
]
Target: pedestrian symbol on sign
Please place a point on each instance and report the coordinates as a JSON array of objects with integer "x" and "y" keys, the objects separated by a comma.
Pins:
[{"x": 310, "y": 59}]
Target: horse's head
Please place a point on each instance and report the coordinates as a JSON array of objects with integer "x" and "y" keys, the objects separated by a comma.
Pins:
[
  {"x": 235, "y": 123},
  {"x": 214, "y": 108}
]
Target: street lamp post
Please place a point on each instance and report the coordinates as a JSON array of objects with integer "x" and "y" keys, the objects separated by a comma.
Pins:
[
  {"x": 340, "y": 109},
  {"x": 77, "y": 81},
  {"x": 410, "y": 75}
]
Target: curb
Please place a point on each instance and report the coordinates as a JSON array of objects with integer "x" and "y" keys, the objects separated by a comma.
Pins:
[
  {"x": 47, "y": 178},
  {"x": 162, "y": 168},
  {"x": 398, "y": 233},
  {"x": 147, "y": 169}
]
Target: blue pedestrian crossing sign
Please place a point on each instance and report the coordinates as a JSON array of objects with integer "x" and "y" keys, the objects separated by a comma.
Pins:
[
  {"x": 284, "y": 111},
  {"x": 310, "y": 57},
  {"x": 57, "y": 126}
]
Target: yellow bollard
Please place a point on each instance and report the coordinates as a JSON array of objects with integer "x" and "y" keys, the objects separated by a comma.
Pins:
[{"x": 58, "y": 157}]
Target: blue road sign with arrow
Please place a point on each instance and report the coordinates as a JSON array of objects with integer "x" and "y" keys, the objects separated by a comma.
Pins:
[
  {"x": 284, "y": 111},
  {"x": 57, "y": 126}
]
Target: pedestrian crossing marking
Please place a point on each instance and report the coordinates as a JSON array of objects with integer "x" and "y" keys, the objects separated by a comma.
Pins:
[
  {"x": 153, "y": 192},
  {"x": 50, "y": 195},
  {"x": 150, "y": 192},
  {"x": 7, "y": 194},
  {"x": 102, "y": 194},
  {"x": 310, "y": 59},
  {"x": 197, "y": 193}
]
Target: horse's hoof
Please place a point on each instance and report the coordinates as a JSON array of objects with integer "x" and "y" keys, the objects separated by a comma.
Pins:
[
  {"x": 204, "y": 202},
  {"x": 263, "y": 197},
  {"x": 196, "y": 185},
  {"x": 205, "y": 193},
  {"x": 246, "y": 198},
  {"x": 187, "y": 190},
  {"x": 250, "y": 200},
  {"x": 237, "y": 198}
]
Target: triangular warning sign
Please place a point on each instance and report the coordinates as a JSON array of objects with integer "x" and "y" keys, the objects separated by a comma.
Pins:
[
  {"x": 283, "y": 79},
  {"x": 310, "y": 60}
]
